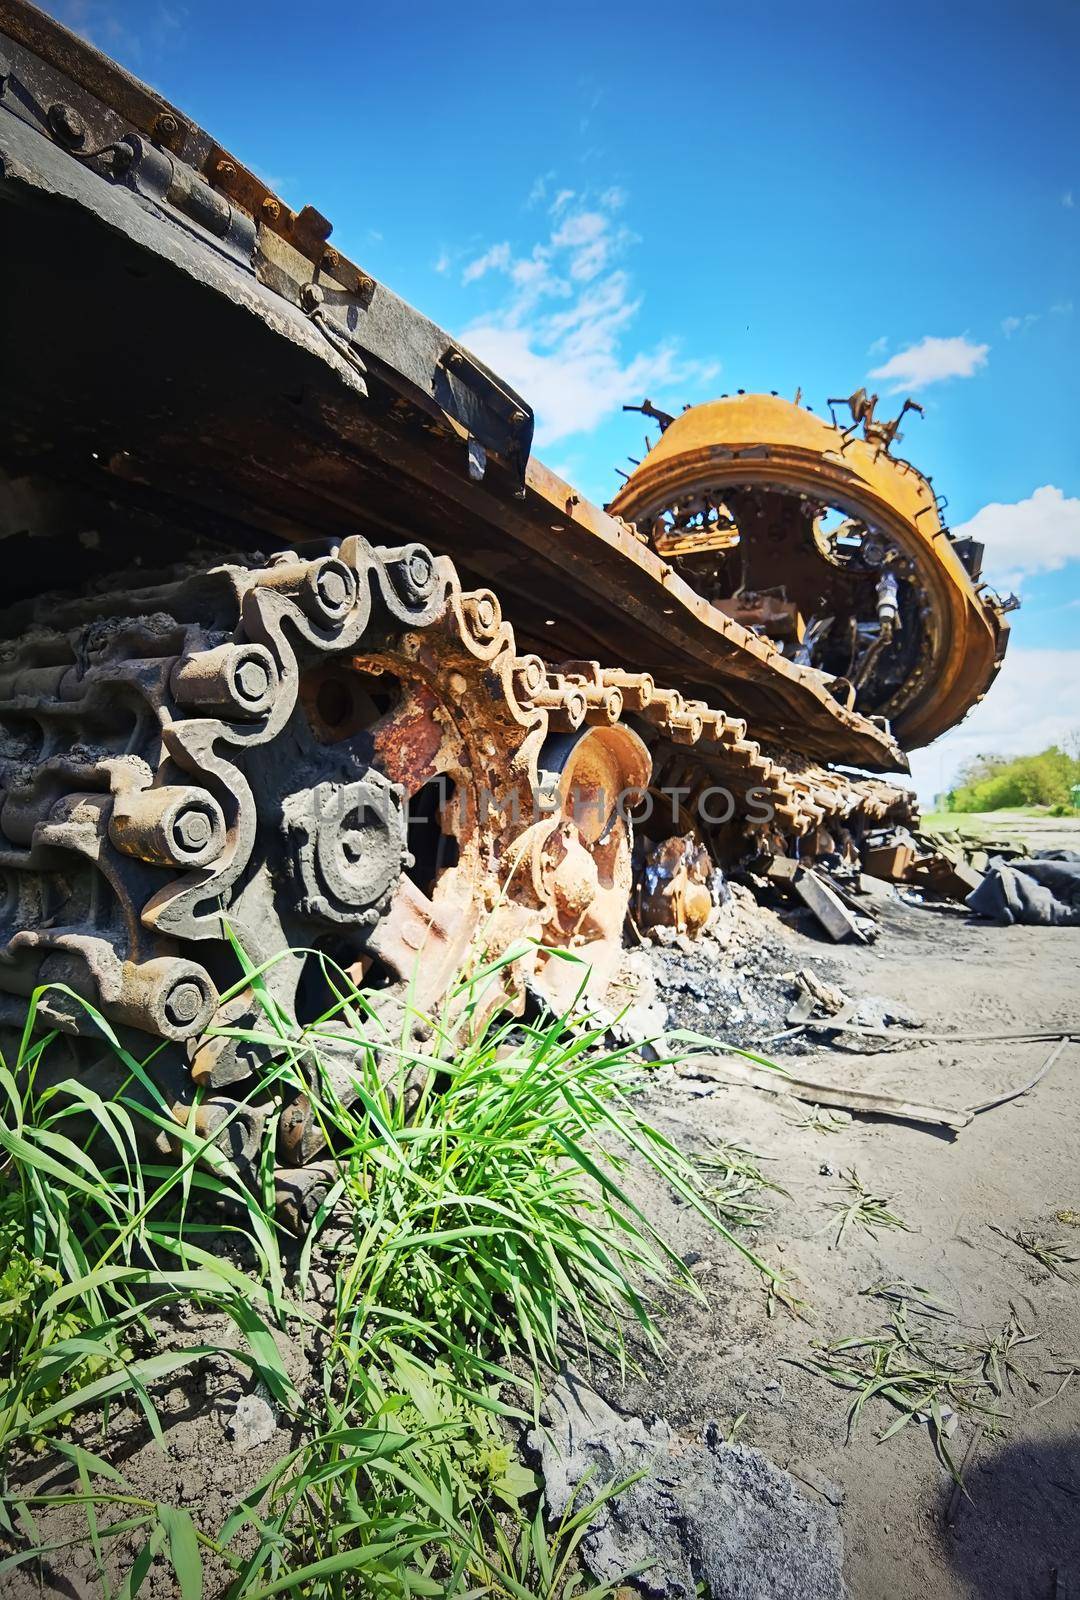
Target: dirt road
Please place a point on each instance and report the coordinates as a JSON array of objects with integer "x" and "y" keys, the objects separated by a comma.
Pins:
[{"x": 1017, "y": 1167}]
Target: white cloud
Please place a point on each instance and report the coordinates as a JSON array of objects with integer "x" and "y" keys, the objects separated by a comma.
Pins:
[
  {"x": 879, "y": 347},
  {"x": 103, "y": 23},
  {"x": 497, "y": 259},
  {"x": 1011, "y": 325},
  {"x": 539, "y": 190},
  {"x": 557, "y": 333},
  {"x": 1067, "y": 200},
  {"x": 442, "y": 262},
  {"x": 589, "y": 237},
  {"x": 533, "y": 272},
  {"x": 1039, "y": 534},
  {"x": 930, "y": 361},
  {"x": 1034, "y": 702}
]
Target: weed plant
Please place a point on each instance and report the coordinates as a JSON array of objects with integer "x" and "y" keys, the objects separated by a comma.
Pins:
[{"x": 478, "y": 1230}]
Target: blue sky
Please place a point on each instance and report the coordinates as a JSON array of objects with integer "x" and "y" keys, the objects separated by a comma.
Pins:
[{"x": 620, "y": 199}]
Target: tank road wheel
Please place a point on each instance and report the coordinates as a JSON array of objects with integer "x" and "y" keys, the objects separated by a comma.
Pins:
[
  {"x": 340, "y": 761},
  {"x": 577, "y": 860}
]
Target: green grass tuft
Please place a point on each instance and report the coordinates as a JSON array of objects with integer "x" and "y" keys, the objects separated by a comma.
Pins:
[{"x": 479, "y": 1229}]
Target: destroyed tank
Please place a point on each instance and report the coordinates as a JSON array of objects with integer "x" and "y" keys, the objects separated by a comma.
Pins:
[{"x": 303, "y": 651}]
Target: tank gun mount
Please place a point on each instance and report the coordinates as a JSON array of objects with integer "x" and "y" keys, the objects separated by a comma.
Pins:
[
  {"x": 862, "y": 407},
  {"x": 664, "y": 419}
]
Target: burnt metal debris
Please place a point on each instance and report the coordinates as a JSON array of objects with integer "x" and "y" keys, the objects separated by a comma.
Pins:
[
  {"x": 831, "y": 547},
  {"x": 255, "y": 684}
]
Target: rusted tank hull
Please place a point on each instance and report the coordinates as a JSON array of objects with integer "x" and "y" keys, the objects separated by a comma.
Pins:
[
  {"x": 774, "y": 468},
  {"x": 253, "y": 414},
  {"x": 260, "y": 522}
]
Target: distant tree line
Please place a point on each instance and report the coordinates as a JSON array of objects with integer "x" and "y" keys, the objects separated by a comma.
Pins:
[{"x": 997, "y": 783}]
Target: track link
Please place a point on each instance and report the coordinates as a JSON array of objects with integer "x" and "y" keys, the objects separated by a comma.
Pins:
[{"x": 776, "y": 794}]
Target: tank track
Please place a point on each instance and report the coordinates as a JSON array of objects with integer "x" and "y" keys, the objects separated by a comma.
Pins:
[
  {"x": 696, "y": 748},
  {"x": 233, "y": 756},
  {"x": 342, "y": 758}
]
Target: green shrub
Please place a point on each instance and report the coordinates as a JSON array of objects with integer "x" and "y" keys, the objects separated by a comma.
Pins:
[{"x": 1045, "y": 779}]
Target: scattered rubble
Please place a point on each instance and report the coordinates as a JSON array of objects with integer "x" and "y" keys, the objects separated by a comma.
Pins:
[
  {"x": 736, "y": 973},
  {"x": 825, "y": 1006},
  {"x": 683, "y": 899},
  {"x": 890, "y": 860},
  {"x": 678, "y": 888},
  {"x": 993, "y": 877},
  {"x": 737, "y": 981},
  {"x": 633, "y": 998},
  {"x": 709, "y": 1518},
  {"x": 816, "y": 996},
  {"x": 834, "y": 916},
  {"x": 252, "y": 1423},
  {"x": 976, "y": 851}
]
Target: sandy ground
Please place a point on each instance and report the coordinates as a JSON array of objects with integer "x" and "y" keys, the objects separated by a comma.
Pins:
[{"x": 1019, "y": 1533}]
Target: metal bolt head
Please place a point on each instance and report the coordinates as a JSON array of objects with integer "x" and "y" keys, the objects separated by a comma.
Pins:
[
  {"x": 330, "y": 259},
  {"x": 484, "y": 612},
  {"x": 364, "y": 284},
  {"x": 420, "y": 569},
  {"x": 311, "y": 297},
  {"x": 166, "y": 126},
  {"x": 183, "y": 1003},
  {"x": 194, "y": 829},
  {"x": 252, "y": 680},
  {"x": 271, "y": 209},
  {"x": 224, "y": 171},
  {"x": 454, "y": 358},
  {"x": 333, "y": 589},
  {"x": 122, "y": 159},
  {"x": 67, "y": 124},
  {"x": 517, "y": 418}
]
